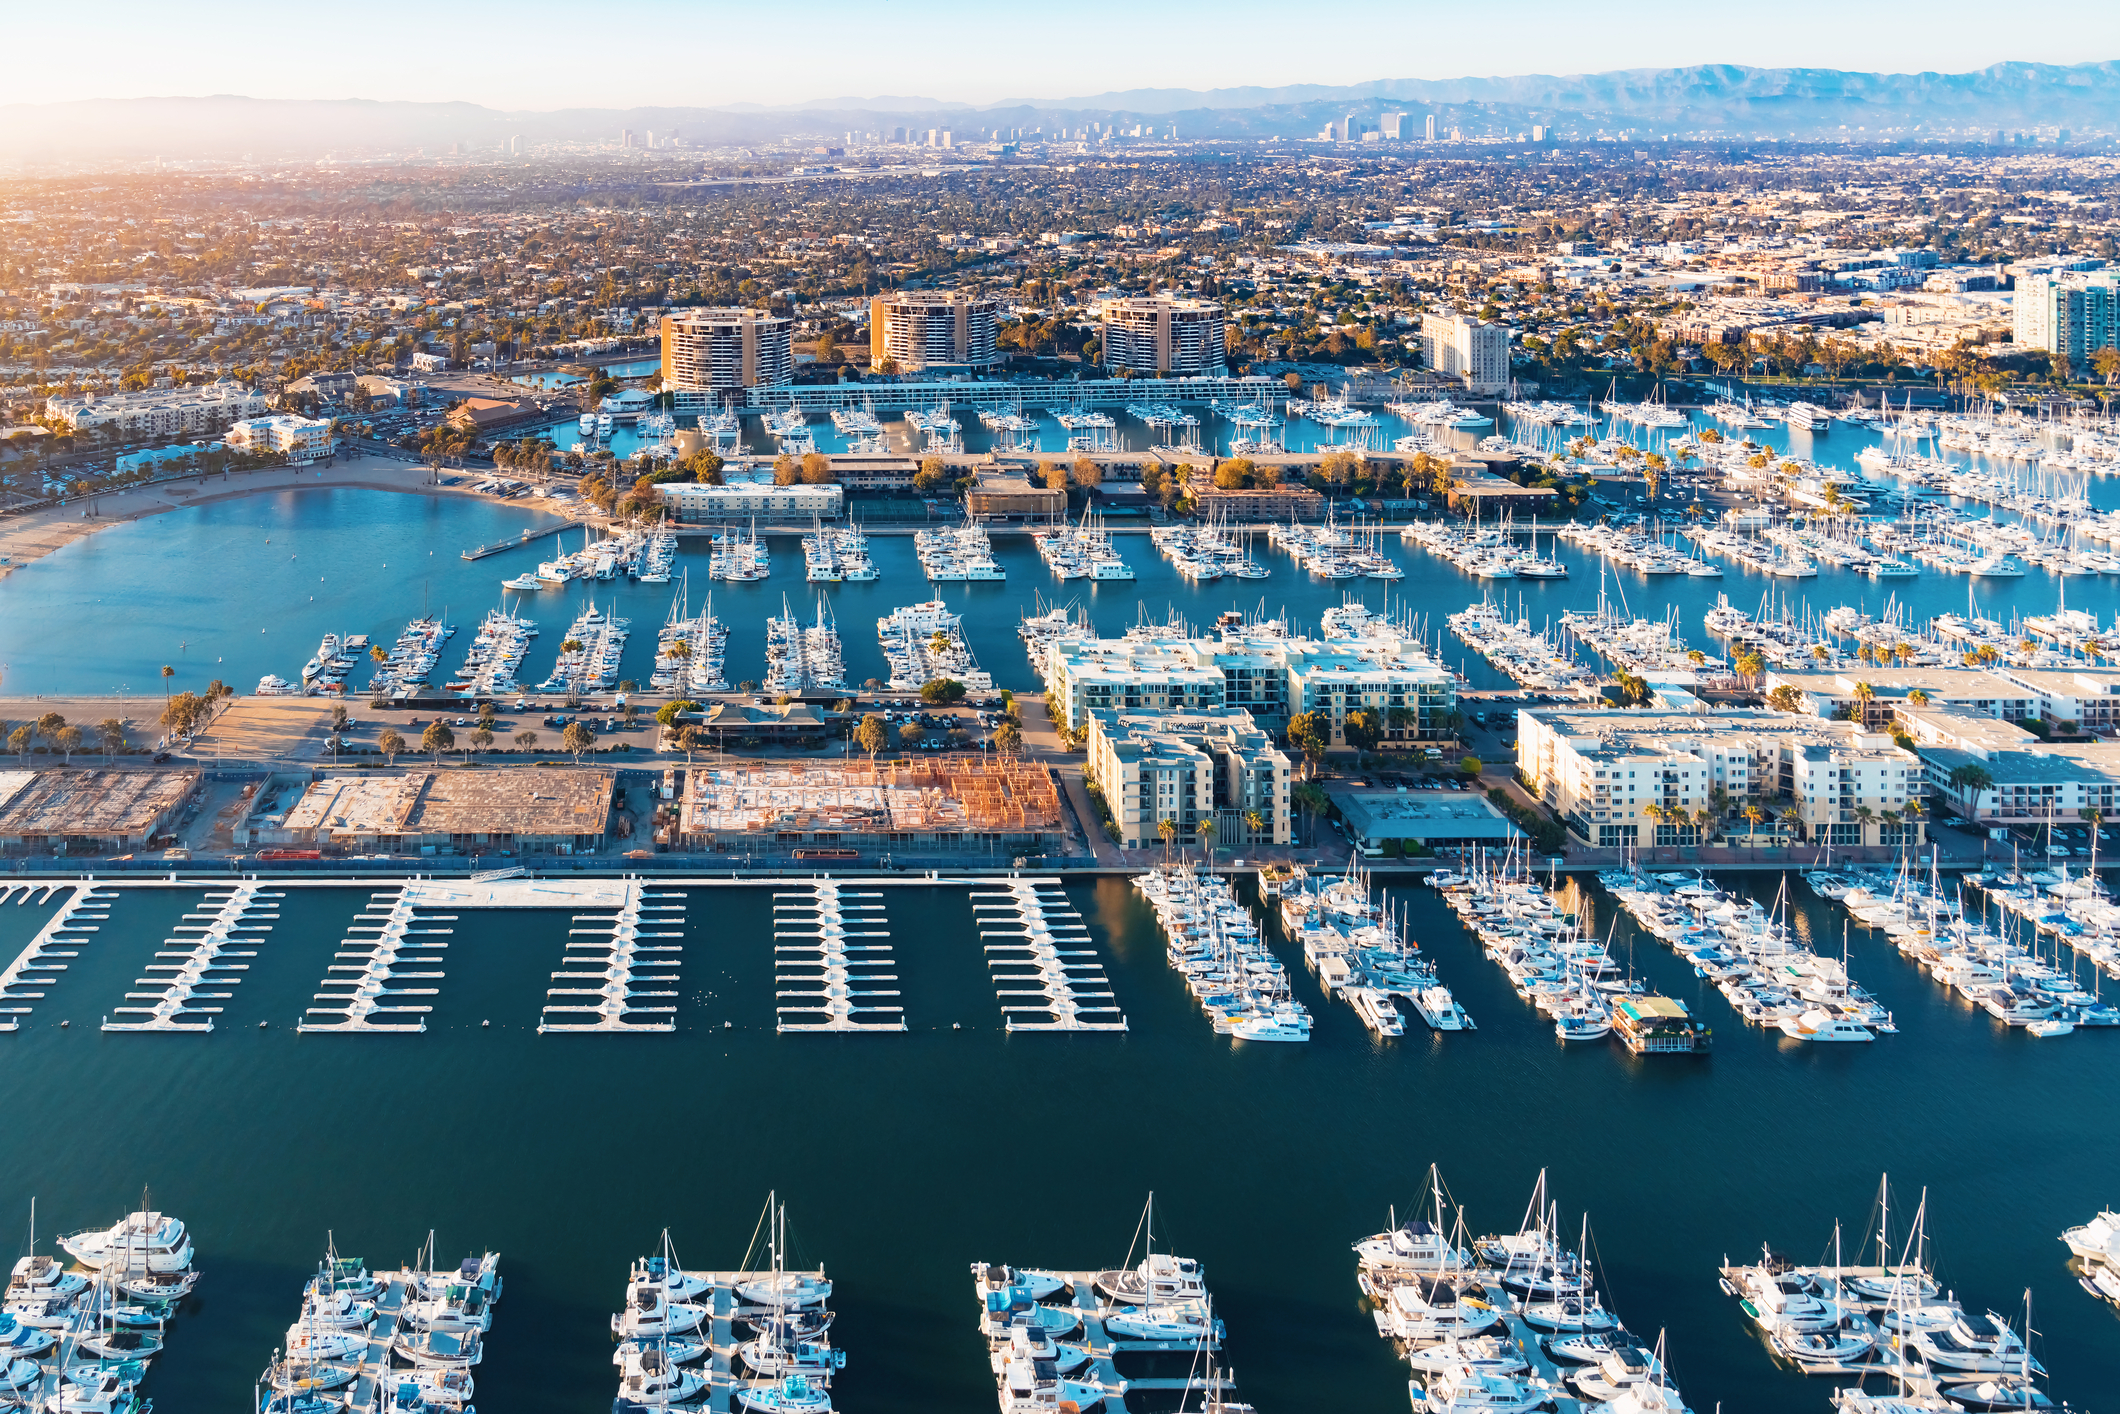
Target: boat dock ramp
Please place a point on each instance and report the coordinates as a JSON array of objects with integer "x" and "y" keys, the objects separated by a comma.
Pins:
[
  {"x": 240, "y": 914},
  {"x": 626, "y": 958},
  {"x": 826, "y": 979},
  {"x": 1023, "y": 927},
  {"x": 61, "y": 937}
]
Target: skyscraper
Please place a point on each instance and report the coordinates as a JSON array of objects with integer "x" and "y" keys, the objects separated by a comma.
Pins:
[
  {"x": 1431, "y": 127},
  {"x": 1183, "y": 338},
  {"x": 923, "y": 330},
  {"x": 725, "y": 350}
]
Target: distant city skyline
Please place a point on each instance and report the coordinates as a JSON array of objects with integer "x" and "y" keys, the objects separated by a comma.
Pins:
[{"x": 540, "y": 55}]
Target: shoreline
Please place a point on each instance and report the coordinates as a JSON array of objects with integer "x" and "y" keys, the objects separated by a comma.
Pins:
[{"x": 27, "y": 539}]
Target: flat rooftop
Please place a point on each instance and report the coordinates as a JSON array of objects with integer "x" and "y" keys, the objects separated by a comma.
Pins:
[
  {"x": 515, "y": 802},
  {"x": 1428, "y": 815},
  {"x": 99, "y": 803}
]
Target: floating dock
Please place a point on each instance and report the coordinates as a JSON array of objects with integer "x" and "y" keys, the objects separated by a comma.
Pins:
[
  {"x": 825, "y": 978},
  {"x": 364, "y": 1001},
  {"x": 196, "y": 963},
  {"x": 87, "y": 906},
  {"x": 1022, "y": 926},
  {"x": 626, "y": 958}
]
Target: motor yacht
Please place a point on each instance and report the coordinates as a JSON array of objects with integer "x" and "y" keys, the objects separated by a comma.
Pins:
[
  {"x": 1412, "y": 1246},
  {"x": 787, "y": 1289},
  {"x": 422, "y": 1391},
  {"x": 1423, "y": 1311},
  {"x": 441, "y": 1347},
  {"x": 147, "y": 1242},
  {"x": 1038, "y": 1284},
  {"x": 796, "y": 1394},
  {"x": 1963, "y": 1346},
  {"x": 1466, "y": 1389},
  {"x": 651, "y": 1315}
]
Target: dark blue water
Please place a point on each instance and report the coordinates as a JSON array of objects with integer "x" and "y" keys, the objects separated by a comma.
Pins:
[{"x": 907, "y": 1157}]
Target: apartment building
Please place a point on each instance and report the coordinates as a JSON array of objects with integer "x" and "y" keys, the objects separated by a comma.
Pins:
[
  {"x": 2028, "y": 781},
  {"x": 159, "y": 412},
  {"x": 1666, "y": 778},
  {"x": 1264, "y": 673},
  {"x": 1876, "y": 694},
  {"x": 1165, "y": 336},
  {"x": 299, "y": 439},
  {"x": 1185, "y": 767},
  {"x": 1470, "y": 350},
  {"x": 2072, "y": 312},
  {"x": 934, "y": 331},
  {"x": 716, "y": 351}
]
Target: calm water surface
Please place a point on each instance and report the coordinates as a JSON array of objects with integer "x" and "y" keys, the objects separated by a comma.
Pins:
[{"x": 906, "y": 1158}]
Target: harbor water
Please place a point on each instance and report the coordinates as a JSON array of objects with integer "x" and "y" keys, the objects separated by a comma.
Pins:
[{"x": 906, "y": 1157}]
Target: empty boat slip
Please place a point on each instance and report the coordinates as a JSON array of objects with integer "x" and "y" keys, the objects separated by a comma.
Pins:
[
  {"x": 39, "y": 964},
  {"x": 1026, "y": 927},
  {"x": 827, "y": 963},
  {"x": 238, "y": 918},
  {"x": 625, "y": 971}
]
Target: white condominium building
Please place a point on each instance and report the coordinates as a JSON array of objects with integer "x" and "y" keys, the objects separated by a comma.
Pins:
[
  {"x": 159, "y": 412},
  {"x": 726, "y": 350},
  {"x": 1186, "y": 767},
  {"x": 1468, "y": 349},
  {"x": 1665, "y": 778},
  {"x": 926, "y": 331},
  {"x": 1166, "y": 336},
  {"x": 299, "y": 439}
]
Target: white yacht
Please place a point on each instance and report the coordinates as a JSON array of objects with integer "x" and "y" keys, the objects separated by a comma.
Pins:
[
  {"x": 794, "y": 1394},
  {"x": 150, "y": 1242},
  {"x": 650, "y": 1380},
  {"x": 1412, "y": 1246}
]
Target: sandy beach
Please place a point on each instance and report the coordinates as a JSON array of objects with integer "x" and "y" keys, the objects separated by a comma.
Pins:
[{"x": 31, "y": 537}]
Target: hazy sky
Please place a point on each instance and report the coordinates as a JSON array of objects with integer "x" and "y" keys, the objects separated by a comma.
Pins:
[{"x": 537, "y": 54}]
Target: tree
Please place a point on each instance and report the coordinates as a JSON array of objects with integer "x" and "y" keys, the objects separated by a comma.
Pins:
[
  {"x": 910, "y": 734},
  {"x": 689, "y": 740},
  {"x": 1310, "y": 798},
  {"x": 786, "y": 470},
  {"x": 1864, "y": 695},
  {"x": 1255, "y": 821},
  {"x": 1086, "y": 473},
  {"x": 1205, "y": 830},
  {"x": 1785, "y": 699},
  {"x": 18, "y": 740},
  {"x": 112, "y": 731},
  {"x": 817, "y": 469},
  {"x": 1308, "y": 734},
  {"x": 932, "y": 477},
  {"x": 1755, "y": 817},
  {"x": 670, "y": 711},
  {"x": 942, "y": 691},
  {"x": 437, "y": 739},
  {"x": 526, "y": 741},
  {"x": 1052, "y": 475},
  {"x": 1749, "y": 666},
  {"x": 487, "y": 716},
  {"x": 576, "y": 739},
  {"x": 1008, "y": 739},
  {"x": 1970, "y": 780},
  {"x": 1234, "y": 474},
  {"x": 390, "y": 743},
  {"x": 1919, "y": 697},
  {"x": 167, "y": 673},
  {"x": 482, "y": 738},
  {"x": 872, "y": 735},
  {"x": 68, "y": 740},
  {"x": 1168, "y": 829},
  {"x": 1362, "y": 730}
]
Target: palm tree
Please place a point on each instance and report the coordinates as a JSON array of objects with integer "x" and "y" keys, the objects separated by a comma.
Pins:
[
  {"x": 1168, "y": 829},
  {"x": 1255, "y": 821},
  {"x": 1206, "y": 831},
  {"x": 167, "y": 673},
  {"x": 1919, "y": 697},
  {"x": 1864, "y": 693},
  {"x": 1754, "y": 817},
  {"x": 1793, "y": 818}
]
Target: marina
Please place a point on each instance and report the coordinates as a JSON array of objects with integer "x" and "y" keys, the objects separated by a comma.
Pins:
[{"x": 1664, "y": 1237}]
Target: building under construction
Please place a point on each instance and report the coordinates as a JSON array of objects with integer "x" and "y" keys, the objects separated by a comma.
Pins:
[{"x": 926, "y": 803}]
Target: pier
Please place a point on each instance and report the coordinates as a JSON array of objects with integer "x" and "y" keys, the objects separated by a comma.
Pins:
[
  {"x": 237, "y": 917},
  {"x": 61, "y": 937},
  {"x": 1026, "y": 948},
  {"x": 626, "y": 959},
  {"x": 366, "y": 1004},
  {"x": 498, "y": 547},
  {"x": 823, "y": 976}
]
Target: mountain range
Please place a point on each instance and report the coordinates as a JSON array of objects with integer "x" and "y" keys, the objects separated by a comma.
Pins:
[{"x": 1725, "y": 100}]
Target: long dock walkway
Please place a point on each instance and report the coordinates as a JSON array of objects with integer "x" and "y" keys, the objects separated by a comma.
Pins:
[
  {"x": 825, "y": 980},
  {"x": 626, "y": 959}
]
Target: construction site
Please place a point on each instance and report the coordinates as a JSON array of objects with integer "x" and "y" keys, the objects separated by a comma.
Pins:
[{"x": 956, "y": 802}]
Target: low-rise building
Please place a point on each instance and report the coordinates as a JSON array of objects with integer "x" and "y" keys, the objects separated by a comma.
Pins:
[
  {"x": 2089, "y": 696},
  {"x": 1212, "y": 765},
  {"x": 299, "y": 439},
  {"x": 1624, "y": 778},
  {"x": 1876, "y": 694},
  {"x": 1381, "y": 821},
  {"x": 486, "y": 416},
  {"x": 542, "y": 810},
  {"x": 1997, "y": 773},
  {"x": 1004, "y": 493},
  {"x": 104, "y": 812},
  {"x": 744, "y": 495}
]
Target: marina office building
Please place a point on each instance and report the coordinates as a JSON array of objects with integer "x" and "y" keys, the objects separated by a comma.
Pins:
[
  {"x": 1266, "y": 675},
  {"x": 934, "y": 331},
  {"x": 1165, "y": 336},
  {"x": 1627, "y": 777},
  {"x": 1185, "y": 767},
  {"x": 710, "y": 354}
]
